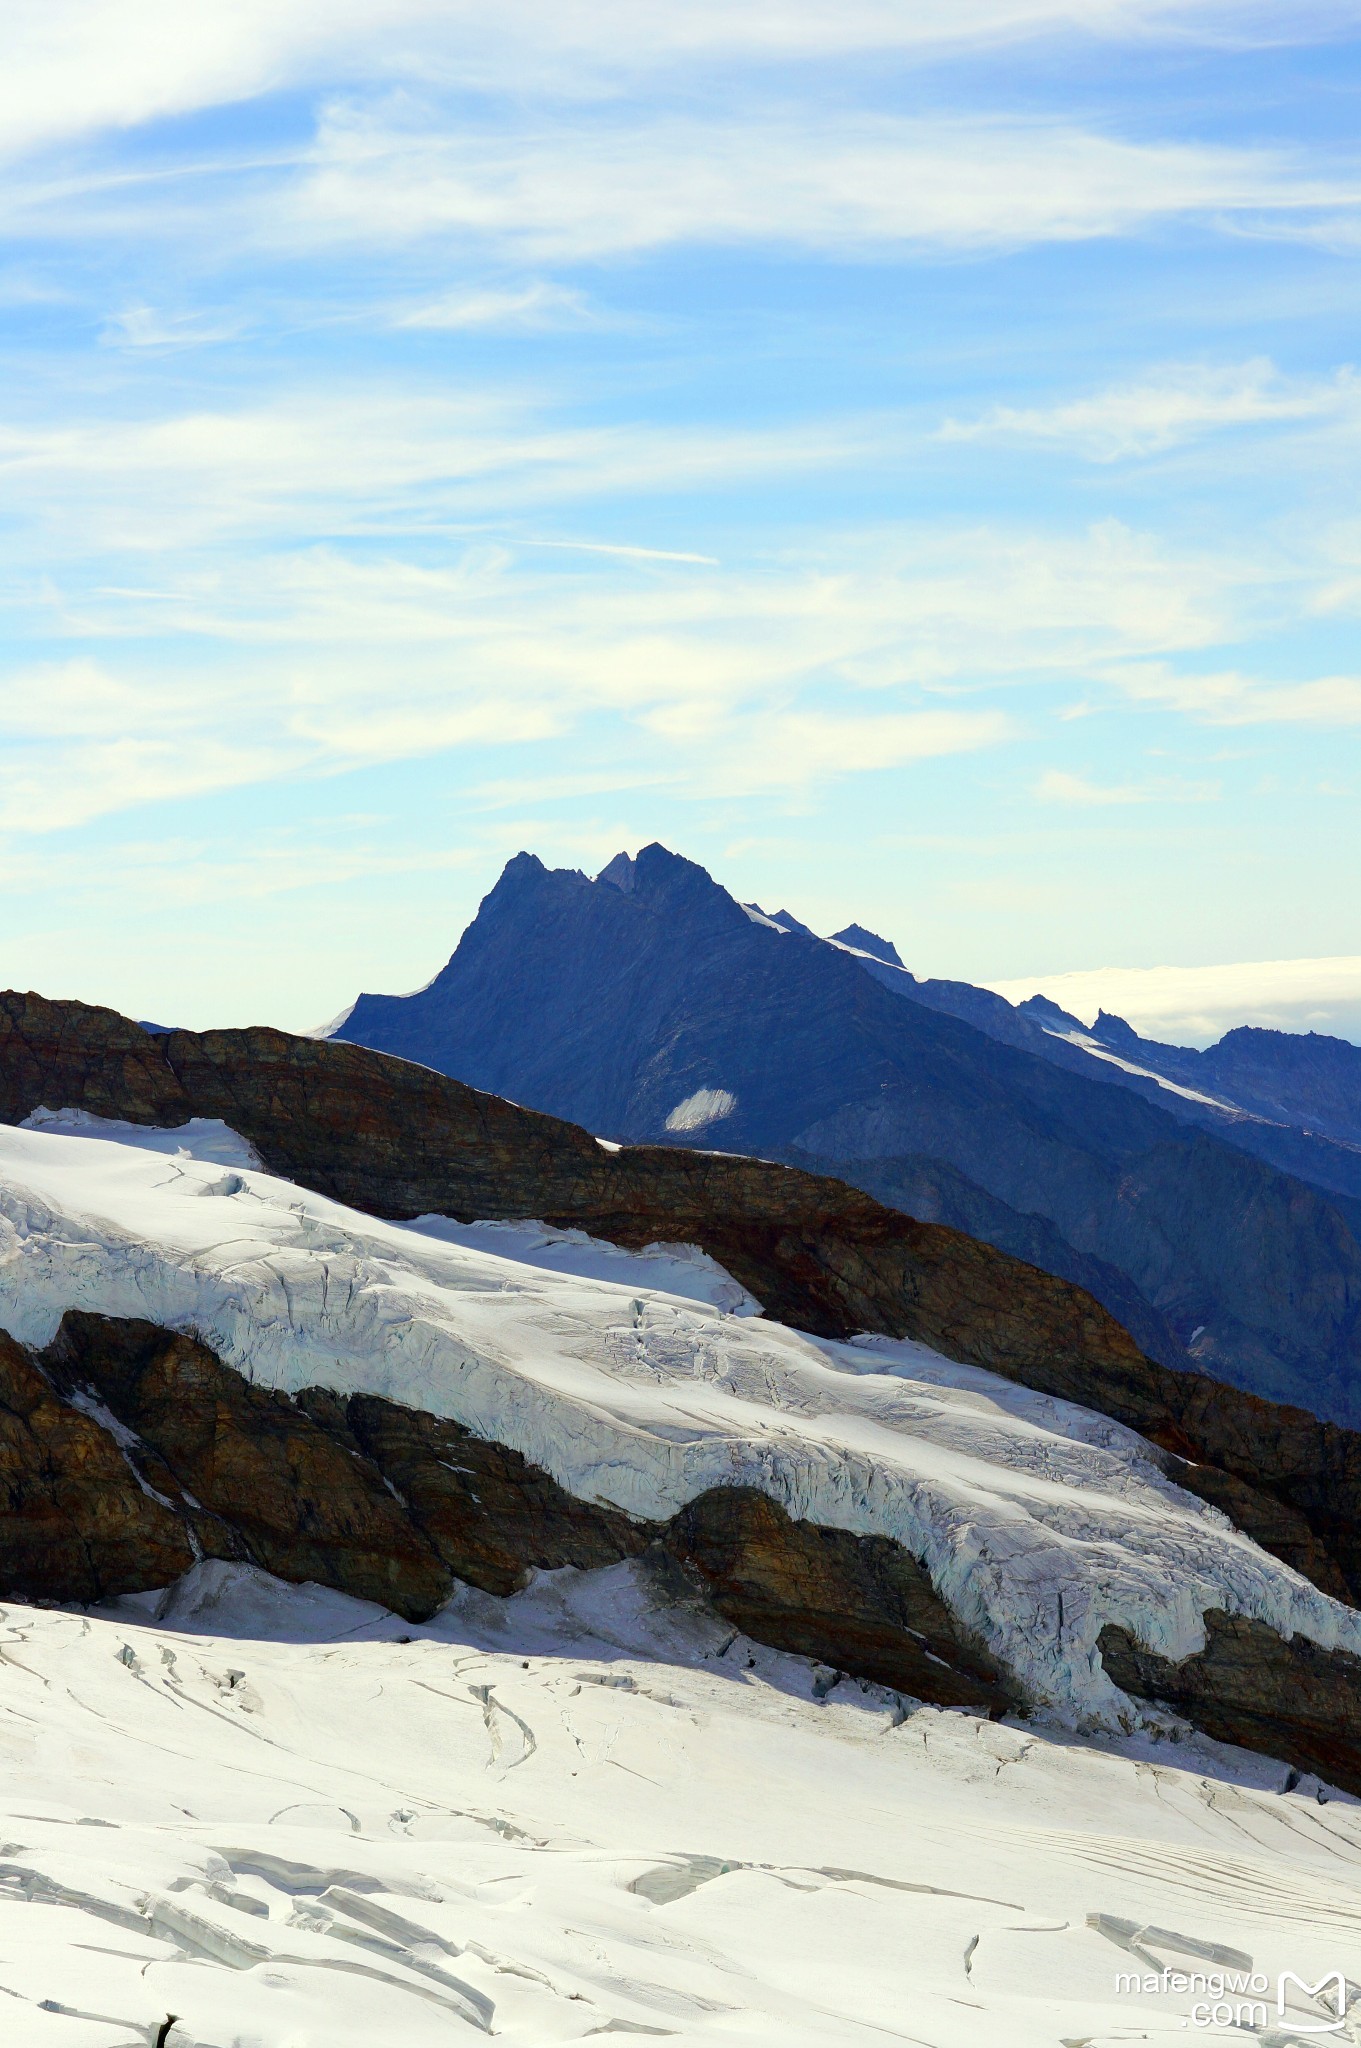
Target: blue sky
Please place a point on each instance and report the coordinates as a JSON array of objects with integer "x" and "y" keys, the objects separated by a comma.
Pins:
[{"x": 902, "y": 454}]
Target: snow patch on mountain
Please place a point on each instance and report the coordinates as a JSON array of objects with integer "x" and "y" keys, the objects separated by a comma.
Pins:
[
  {"x": 676, "y": 1269},
  {"x": 1084, "y": 1041},
  {"x": 1038, "y": 1521},
  {"x": 203, "y": 1137},
  {"x": 705, "y": 1106}
]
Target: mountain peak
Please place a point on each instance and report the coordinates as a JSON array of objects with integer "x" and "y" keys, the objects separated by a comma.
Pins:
[
  {"x": 869, "y": 942},
  {"x": 620, "y": 873},
  {"x": 1046, "y": 1011},
  {"x": 1113, "y": 1030}
]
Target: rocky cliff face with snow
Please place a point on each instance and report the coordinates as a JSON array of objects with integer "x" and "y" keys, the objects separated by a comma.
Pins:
[
  {"x": 400, "y": 1140},
  {"x": 208, "y": 1361}
]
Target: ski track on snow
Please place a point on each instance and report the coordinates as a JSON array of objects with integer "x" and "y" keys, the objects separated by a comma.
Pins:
[{"x": 287, "y": 1819}]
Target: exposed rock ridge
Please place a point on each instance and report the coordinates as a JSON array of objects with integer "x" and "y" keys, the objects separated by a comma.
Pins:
[
  {"x": 127, "y": 1451},
  {"x": 1289, "y": 1698},
  {"x": 400, "y": 1140}
]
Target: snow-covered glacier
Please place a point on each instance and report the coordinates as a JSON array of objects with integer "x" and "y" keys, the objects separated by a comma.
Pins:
[
  {"x": 641, "y": 1380},
  {"x": 277, "y": 1818}
]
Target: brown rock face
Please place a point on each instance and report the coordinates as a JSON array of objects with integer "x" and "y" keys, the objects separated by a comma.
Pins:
[
  {"x": 75, "y": 1521},
  {"x": 254, "y": 1476},
  {"x": 487, "y": 1512},
  {"x": 399, "y": 1140},
  {"x": 859, "y": 1603},
  {"x": 1290, "y": 1700},
  {"x": 1286, "y": 1479},
  {"x": 127, "y": 1450},
  {"x": 393, "y": 1505}
]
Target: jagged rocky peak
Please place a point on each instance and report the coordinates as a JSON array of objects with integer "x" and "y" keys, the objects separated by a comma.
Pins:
[
  {"x": 620, "y": 873},
  {"x": 1045, "y": 1010},
  {"x": 866, "y": 941},
  {"x": 1113, "y": 1030}
]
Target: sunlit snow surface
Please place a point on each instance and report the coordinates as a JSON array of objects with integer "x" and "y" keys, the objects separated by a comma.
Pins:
[
  {"x": 1039, "y": 1521},
  {"x": 296, "y": 1822}
]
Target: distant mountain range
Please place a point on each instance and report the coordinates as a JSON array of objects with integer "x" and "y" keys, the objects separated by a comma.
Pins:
[{"x": 1211, "y": 1200}]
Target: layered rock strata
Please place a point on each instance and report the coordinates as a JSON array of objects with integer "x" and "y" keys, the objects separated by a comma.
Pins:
[
  {"x": 1289, "y": 1698},
  {"x": 399, "y": 1140},
  {"x": 126, "y": 1451}
]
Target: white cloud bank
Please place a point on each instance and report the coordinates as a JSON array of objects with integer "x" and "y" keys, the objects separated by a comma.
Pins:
[
  {"x": 1196, "y": 1005},
  {"x": 73, "y": 67}
]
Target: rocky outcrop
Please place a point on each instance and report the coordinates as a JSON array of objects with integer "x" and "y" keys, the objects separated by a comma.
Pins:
[
  {"x": 488, "y": 1514},
  {"x": 1287, "y": 1699},
  {"x": 76, "y": 1518},
  {"x": 859, "y": 1603},
  {"x": 126, "y": 1451},
  {"x": 250, "y": 1474},
  {"x": 1288, "y": 1480},
  {"x": 400, "y": 1140}
]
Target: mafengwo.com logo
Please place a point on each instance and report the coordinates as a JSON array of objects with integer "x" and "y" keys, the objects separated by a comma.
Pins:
[{"x": 1248, "y": 1998}]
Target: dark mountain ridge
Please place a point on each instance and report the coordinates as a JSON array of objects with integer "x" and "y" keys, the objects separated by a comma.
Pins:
[
  {"x": 1293, "y": 1100},
  {"x": 651, "y": 1006}
]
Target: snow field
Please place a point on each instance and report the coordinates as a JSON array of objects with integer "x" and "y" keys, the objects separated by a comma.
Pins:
[{"x": 292, "y": 1821}]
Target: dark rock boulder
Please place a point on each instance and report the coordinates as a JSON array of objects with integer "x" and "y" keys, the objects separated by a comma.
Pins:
[
  {"x": 76, "y": 1521},
  {"x": 489, "y": 1514},
  {"x": 1284, "y": 1698},
  {"x": 251, "y": 1472},
  {"x": 859, "y": 1603}
]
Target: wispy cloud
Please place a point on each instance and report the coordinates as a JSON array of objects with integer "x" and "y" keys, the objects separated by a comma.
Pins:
[
  {"x": 1228, "y": 697},
  {"x": 1057, "y": 786},
  {"x": 75, "y": 66},
  {"x": 356, "y": 459},
  {"x": 1194, "y": 1005},
  {"x": 793, "y": 750},
  {"x": 572, "y": 190},
  {"x": 143, "y": 327},
  {"x": 510, "y": 188},
  {"x": 526, "y": 309},
  {"x": 1170, "y": 406},
  {"x": 890, "y": 650}
]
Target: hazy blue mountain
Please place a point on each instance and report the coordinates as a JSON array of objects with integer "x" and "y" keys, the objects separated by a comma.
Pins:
[
  {"x": 649, "y": 1004},
  {"x": 1293, "y": 1099}
]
